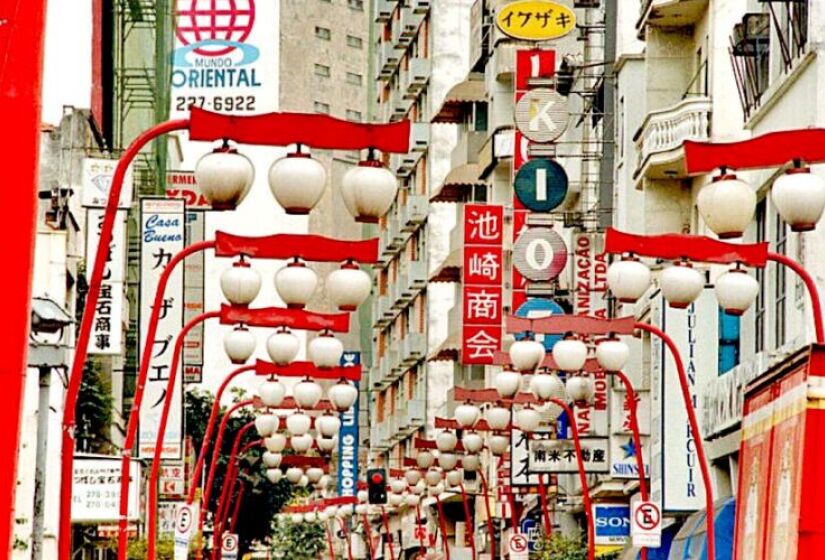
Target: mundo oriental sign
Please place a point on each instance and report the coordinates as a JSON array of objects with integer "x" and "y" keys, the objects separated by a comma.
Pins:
[{"x": 536, "y": 20}]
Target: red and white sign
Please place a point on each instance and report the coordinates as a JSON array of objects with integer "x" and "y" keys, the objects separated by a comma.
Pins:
[
  {"x": 518, "y": 546},
  {"x": 185, "y": 517},
  {"x": 646, "y": 524},
  {"x": 590, "y": 277},
  {"x": 482, "y": 303},
  {"x": 229, "y": 546},
  {"x": 594, "y": 419},
  {"x": 172, "y": 480},
  {"x": 182, "y": 184}
]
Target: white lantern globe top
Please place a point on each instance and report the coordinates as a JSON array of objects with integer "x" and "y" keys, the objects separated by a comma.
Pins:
[
  {"x": 736, "y": 290},
  {"x": 325, "y": 351},
  {"x": 266, "y": 424},
  {"x": 498, "y": 444},
  {"x": 296, "y": 284},
  {"x": 328, "y": 425},
  {"x": 239, "y": 344},
  {"x": 298, "y": 424},
  {"x": 570, "y": 354},
  {"x": 727, "y": 205},
  {"x": 528, "y": 419},
  {"x": 628, "y": 279},
  {"x": 424, "y": 459},
  {"x": 272, "y": 393},
  {"x": 301, "y": 444},
  {"x": 275, "y": 443},
  {"x": 297, "y": 182},
  {"x": 272, "y": 460},
  {"x": 294, "y": 474},
  {"x": 283, "y": 347},
  {"x": 498, "y": 418},
  {"x": 472, "y": 442},
  {"x": 398, "y": 485},
  {"x": 446, "y": 441},
  {"x": 314, "y": 474},
  {"x": 240, "y": 283},
  {"x": 447, "y": 461},
  {"x": 348, "y": 287},
  {"x": 507, "y": 383},
  {"x": 369, "y": 189},
  {"x": 467, "y": 415},
  {"x": 453, "y": 478},
  {"x": 681, "y": 284},
  {"x": 412, "y": 476},
  {"x": 274, "y": 475},
  {"x": 526, "y": 355},
  {"x": 342, "y": 395},
  {"x": 224, "y": 177},
  {"x": 433, "y": 477},
  {"x": 799, "y": 196},
  {"x": 547, "y": 386},
  {"x": 471, "y": 463},
  {"x": 307, "y": 394},
  {"x": 612, "y": 354}
]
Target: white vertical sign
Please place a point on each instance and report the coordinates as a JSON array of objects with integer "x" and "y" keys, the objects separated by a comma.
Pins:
[
  {"x": 161, "y": 237},
  {"x": 96, "y": 180},
  {"x": 676, "y": 479},
  {"x": 107, "y": 327},
  {"x": 185, "y": 517}
]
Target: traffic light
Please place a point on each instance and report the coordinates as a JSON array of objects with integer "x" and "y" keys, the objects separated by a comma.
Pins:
[{"x": 377, "y": 486}]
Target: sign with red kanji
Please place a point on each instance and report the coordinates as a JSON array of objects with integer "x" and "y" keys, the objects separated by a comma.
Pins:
[
  {"x": 480, "y": 343},
  {"x": 483, "y": 264},
  {"x": 483, "y": 224}
]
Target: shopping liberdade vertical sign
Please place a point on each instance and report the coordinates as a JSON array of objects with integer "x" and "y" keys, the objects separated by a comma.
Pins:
[{"x": 348, "y": 439}]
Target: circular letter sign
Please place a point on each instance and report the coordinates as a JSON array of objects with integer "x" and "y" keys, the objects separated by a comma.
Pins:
[
  {"x": 540, "y": 254},
  {"x": 541, "y": 185}
]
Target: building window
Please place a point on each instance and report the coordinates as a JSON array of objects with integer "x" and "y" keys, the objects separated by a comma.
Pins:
[
  {"x": 354, "y": 79},
  {"x": 355, "y": 42},
  {"x": 323, "y": 33},
  {"x": 759, "y": 308},
  {"x": 321, "y": 107},
  {"x": 780, "y": 283},
  {"x": 729, "y": 328},
  {"x": 356, "y": 4},
  {"x": 354, "y": 115},
  {"x": 322, "y": 70}
]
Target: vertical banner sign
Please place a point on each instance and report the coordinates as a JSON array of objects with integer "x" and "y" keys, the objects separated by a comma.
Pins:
[
  {"x": 482, "y": 280},
  {"x": 226, "y": 56},
  {"x": 107, "y": 327},
  {"x": 96, "y": 180},
  {"x": 590, "y": 276},
  {"x": 348, "y": 439},
  {"x": 677, "y": 475},
  {"x": 181, "y": 184},
  {"x": 161, "y": 237}
]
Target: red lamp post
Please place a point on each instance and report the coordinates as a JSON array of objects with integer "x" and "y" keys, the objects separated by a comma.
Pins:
[{"x": 276, "y": 129}]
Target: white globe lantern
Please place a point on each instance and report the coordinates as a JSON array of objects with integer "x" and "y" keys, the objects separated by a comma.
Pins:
[
  {"x": 307, "y": 394},
  {"x": 310, "y": 517},
  {"x": 294, "y": 474},
  {"x": 323, "y": 516},
  {"x": 275, "y": 443},
  {"x": 282, "y": 347},
  {"x": 326, "y": 444},
  {"x": 453, "y": 478},
  {"x": 498, "y": 444},
  {"x": 348, "y": 287},
  {"x": 681, "y": 284},
  {"x": 328, "y": 425},
  {"x": 314, "y": 474},
  {"x": 432, "y": 477},
  {"x": 547, "y": 386},
  {"x": 581, "y": 388},
  {"x": 369, "y": 190},
  {"x": 344, "y": 511},
  {"x": 507, "y": 383},
  {"x": 526, "y": 355},
  {"x": 498, "y": 418},
  {"x": 799, "y": 196},
  {"x": 446, "y": 441},
  {"x": 325, "y": 351},
  {"x": 361, "y": 509},
  {"x": 412, "y": 476},
  {"x": 342, "y": 395},
  {"x": 447, "y": 461},
  {"x": 301, "y": 444},
  {"x": 296, "y": 284},
  {"x": 398, "y": 485},
  {"x": 466, "y": 415},
  {"x": 239, "y": 345},
  {"x": 297, "y": 182},
  {"x": 297, "y": 517},
  {"x": 266, "y": 424},
  {"x": 437, "y": 489},
  {"x": 303, "y": 482},
  {"x": 736, "y": 290},
  {"x": 272, "y": 393},
  {"x": 612, "y": 354},
  {"x": 395, "y": 500},
  {"x": 272, "y": 460},
  {"x": 727, "y": 206},
  {"x": 570, "y": 354},
  {"x": 298, "y": 424},
  {"x": 240, "y": 283},
  {"x": 363, "y": 496},
  {"x": 471, "y": 463},
  {"x": 528, "y": 419},
  {"x": 412, "y": 500},
  {"x": 628, "y": 279},
  {"x": 472, "y": 442},
  {"x": 324, "y": 483},
  {"x": 419, "y": 487},
  {"x": 274, "y": 475},
  {"x": 224, "y": 177},
  {"x": 424, "y": 459}
]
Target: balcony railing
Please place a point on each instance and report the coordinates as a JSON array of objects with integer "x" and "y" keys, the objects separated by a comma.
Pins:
[
  {"x": 670, "y": 13},
  {"x": 659, "y": 140},
  {"x": 414, "y": 212},
  {"x": 413, "y": 349},
  {"x": 417, "y": 77}
]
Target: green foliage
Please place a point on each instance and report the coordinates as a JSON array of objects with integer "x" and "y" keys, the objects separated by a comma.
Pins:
[
  {"x": 563, "y": 547},
  {"x": 298, "y": 541},
  {"x": 261, "y": 499},
  {"x": 94, "y": 412},
  {"x": 164, "y": 549}
]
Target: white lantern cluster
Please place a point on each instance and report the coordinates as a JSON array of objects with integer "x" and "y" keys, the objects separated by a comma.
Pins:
[
  {"x": 239, "y": 344},
  {"x": 527, "y": 354}
]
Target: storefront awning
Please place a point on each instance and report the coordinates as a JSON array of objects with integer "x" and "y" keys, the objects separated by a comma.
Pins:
[
  {"x": 457, "y": 182},
  {"x": 460, "y": 98},
  {"x": 690, "y": 542},
  {"x": 450, "y": 269},
  {"x": 660, "y": 553},
  {"x": 447, "y": 351}
]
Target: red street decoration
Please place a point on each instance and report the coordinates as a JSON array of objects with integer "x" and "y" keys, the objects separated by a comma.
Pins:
[
  {"x": 287, "y": 246},
  {"x": 576, "y": 324},
  {"x": 308, "y": 369},
  {"x": 451, "y": 424},
  {"x": 303, "y": 461},
  {"x": 313, "y": 130},
  {"x": 774, "y": 149},
  {"x": 273, "y": 317}
]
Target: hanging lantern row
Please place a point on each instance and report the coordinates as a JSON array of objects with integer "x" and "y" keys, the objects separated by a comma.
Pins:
[
  {"x": 324, "y": 350},
  {"x": 629, "y": 280},
  {"x": 297, "y": 182},
  {"x": 296, "y": 283}
]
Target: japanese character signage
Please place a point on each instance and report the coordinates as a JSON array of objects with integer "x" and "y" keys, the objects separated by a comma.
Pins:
[
  {"x": 520, "y": 472},
  {"x": 535, "y": 20},
  {"x": 96, "y": 180},
  {"x": 107, "y": 327},
  {"x": 96, "y": 489},
  {"x": 559, "y": 456},
  {"x": 348, "y": 439},
  {"x": 482, "y": 280},
  {"x": 172, "y": 480},
  {"x": 161, "y": 237},
  {"x": 594, "y": 420}
]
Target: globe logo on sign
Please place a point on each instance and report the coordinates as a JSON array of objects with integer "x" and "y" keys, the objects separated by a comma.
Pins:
[{"x": 214, "y": 28}]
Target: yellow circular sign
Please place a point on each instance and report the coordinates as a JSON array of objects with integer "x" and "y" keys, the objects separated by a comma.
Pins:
[{"x": 536, "y": 20}]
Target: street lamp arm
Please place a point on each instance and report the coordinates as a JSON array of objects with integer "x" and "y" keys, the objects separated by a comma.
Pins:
[
  {"x": 694, "y": 429},
  {"x": 810, "y": 285},
  {"x": 222, "y": 507},
  {"x": 490, "y": 528},
  {"x": 470, "y": 526}
]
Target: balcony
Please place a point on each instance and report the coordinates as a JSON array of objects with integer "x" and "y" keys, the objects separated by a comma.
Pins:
[
  {"x": 417, "y": 77},
  {"x": 413, "y": 349},
  {"x": 414, "y": 212},
  {"x": 380, "y": 435},
  {"x": 416, "y": 414},
  {"x": 383, "y": 311},
  {"x": 420, "y": 6},
  {"x": 669, "y": 13},
  {"x": 390, "y": 55},
  {"x": 417, "y": 275},
  {"x": 375, "y": 377},
  {"x": 410, "y": 21},
  {"x": 420, "y": 136},
  {"x": 384, "y": 9},
  {"x": 659, "y": 140}
]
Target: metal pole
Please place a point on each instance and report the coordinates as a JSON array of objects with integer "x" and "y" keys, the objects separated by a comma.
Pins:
[
  {"x": 469, "y": 519},
  {"x": 490, "y": 528},
  {"x": 228, "y": 482},
  {"x": 84, "y": 333},
  {"x": 45, "y": 374},
  {"x": 443, "y": 524},
  {"x": 21, "y": 74},
  {"x": 813, "y": 293}
]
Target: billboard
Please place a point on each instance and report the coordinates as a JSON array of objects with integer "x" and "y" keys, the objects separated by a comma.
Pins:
[
  {"x": 107, "y": 327},
  {"x": 96, "y": 489}
]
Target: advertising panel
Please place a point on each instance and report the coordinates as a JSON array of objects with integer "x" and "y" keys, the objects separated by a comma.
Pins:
[
  {"x": 348, "y": 439},
  {"x": 107, "y": 327},
  {"x": 96, "y": 489}
]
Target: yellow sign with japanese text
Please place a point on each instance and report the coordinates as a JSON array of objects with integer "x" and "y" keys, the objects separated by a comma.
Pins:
[{"x": 536, "y": 20}]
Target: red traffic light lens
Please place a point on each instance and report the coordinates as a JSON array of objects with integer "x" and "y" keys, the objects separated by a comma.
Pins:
[{"x": 377, "y": 478}]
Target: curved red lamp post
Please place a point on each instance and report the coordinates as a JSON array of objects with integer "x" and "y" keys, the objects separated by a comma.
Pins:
[
  {"x": 346, "y": 532},
  {"x": 442, "y": 523},
  {"x": 222, "y": 506},
  {"x": 275, "y": 129},
  {"x": 468, "y": 516},
  {"x": 368, "y": 534},
  {"x": 385, "y": 518}
]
